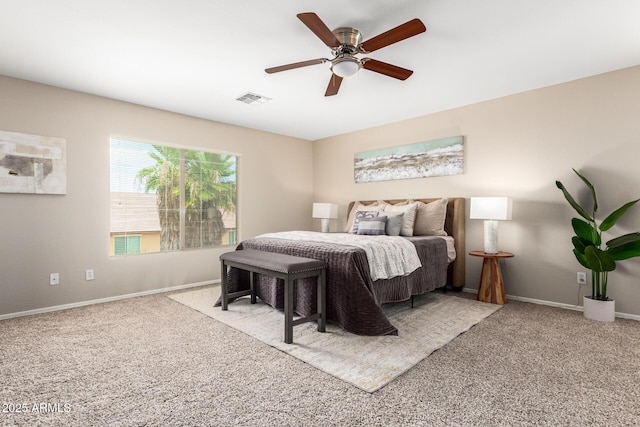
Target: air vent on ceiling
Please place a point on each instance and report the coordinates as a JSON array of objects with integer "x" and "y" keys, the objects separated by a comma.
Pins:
[{"x": 253, "y": 99}]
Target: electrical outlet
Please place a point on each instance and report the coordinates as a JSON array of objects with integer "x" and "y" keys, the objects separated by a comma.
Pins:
[
  {"x": 88, "y": 275},
  {"x": 54, "y": 279},
  {"x": 582, "y": 278}
]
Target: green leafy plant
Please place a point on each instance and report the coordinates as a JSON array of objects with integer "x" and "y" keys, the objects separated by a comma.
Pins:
[{"x": 590, "y": 251}]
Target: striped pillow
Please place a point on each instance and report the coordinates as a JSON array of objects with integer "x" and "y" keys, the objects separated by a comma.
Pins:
[
  {"x": 373, "y": 226},
  {"x": 362, "y": 215}
]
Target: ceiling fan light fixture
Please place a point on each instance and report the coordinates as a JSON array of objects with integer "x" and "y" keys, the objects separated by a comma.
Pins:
[
  {"x": 345, "y": 67},
  {"x": 345, "y": 43}
]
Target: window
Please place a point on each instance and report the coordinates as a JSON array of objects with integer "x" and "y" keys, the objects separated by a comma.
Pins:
[
  {"x": 170, "y": 198},
  {"x": 125, "y": 245}
]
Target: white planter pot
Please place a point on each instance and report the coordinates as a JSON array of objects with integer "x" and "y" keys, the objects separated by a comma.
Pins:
[{"x": 604, "y": 311}]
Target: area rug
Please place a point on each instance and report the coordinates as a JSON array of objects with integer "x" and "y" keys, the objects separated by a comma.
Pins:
[{"x": 368, "y": 363}]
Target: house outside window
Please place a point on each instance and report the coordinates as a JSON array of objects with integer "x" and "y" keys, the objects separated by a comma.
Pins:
[
  {"x": 170, "y": 198},
  {"x": 126, "y": 245}
]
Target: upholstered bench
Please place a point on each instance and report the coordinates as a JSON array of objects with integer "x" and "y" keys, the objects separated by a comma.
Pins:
[{"x": 286, "y": 267}]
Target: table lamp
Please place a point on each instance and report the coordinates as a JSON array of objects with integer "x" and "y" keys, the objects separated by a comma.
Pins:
[
  {"x": 326, "y": 212},
  {"x": 492, "y": 210}
]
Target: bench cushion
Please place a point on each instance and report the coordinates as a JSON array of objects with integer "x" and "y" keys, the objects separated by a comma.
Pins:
[{"x": 273, "y": 261}]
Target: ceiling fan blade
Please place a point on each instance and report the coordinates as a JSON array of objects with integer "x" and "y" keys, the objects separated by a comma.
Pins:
[
  {"x": 319, "y": 28},
  {"x": 295, "y": 65},
  {"x": 334, "y": 85},
  {"x": 394, "y": 35},
  {"x": 386, "y": 69}
]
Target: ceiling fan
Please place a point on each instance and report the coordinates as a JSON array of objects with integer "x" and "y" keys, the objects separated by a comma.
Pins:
[{"x": 346, "y": 43}]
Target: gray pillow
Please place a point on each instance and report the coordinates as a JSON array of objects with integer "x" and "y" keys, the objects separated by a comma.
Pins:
[
  {"x": 394, "y": 223},
  {"x": 372, "y": 226},
  {"x": 408, "y": 219}
]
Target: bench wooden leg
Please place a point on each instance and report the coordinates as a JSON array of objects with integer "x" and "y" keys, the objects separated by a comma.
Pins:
[
  {"x": 322, "y": 301},
  {"x": 252, "y": 284},
  {"x": 223, "y": 286},
  {"x": 288, "y": 311}
]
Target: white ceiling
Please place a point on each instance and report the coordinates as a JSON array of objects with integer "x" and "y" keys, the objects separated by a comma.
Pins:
[{"x": 197, "y": 56}]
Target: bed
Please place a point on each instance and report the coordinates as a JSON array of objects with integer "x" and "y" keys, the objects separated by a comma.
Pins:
[{"x": 356, "y": 289}]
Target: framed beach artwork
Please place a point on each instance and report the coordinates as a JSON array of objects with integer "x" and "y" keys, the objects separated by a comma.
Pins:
[
  {"x": 32, "y": 164},
  {"x": 438, "y": 157}
]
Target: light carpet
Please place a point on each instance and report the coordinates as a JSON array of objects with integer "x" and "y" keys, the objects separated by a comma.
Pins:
[{"x": 368, "y": 363}]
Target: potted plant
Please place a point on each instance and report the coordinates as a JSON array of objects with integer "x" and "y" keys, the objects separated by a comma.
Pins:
[{"x": 598, "y": 256}]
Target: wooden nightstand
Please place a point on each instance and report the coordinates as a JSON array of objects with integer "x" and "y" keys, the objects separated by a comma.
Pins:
[{"x": 491, "y": 287}]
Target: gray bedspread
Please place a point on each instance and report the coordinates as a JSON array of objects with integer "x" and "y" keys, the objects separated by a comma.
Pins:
[{"x": 353, "y": 300}]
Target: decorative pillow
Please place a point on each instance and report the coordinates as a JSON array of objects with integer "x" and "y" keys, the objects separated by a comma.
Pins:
[
  {"x": 430, "y": 218},
  {"x": 372, "y": 227},
  {"x": 394, "y": 223},
  {"x": 408, "y": 218},
  {"x": 359, "y": 206},
  {"x": 359, "y": 216}
]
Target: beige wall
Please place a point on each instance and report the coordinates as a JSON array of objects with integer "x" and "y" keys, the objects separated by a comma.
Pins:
[
  {"x": 518, "y": 146},
  {"x": 42, "y": 234}
]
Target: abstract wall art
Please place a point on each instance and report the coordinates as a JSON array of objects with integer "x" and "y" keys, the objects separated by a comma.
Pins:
[
  {"x": 32, "y": 164},
  {"x": 438, "y": 157}
]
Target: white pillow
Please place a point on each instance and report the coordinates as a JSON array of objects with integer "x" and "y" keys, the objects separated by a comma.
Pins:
[
  {"x": 430, "y": 218},
  {"x": 408, "y": 218}
]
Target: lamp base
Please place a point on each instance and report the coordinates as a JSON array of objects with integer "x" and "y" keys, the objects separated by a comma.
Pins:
[
  {"x": 491, "y": 236},
  {"x": 324, "y": 222}
]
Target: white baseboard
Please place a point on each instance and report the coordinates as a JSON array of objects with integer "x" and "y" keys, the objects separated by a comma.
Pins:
[
  {"x": 194, "y": 285},
  {"x": 103, "y": 300},
  {"x": 556, "y": 304}
]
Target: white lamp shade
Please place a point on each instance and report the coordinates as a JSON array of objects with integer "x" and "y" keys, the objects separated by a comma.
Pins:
[
  {"x": 496, "y": 208},
  {"x": 325, "y": 210}
]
